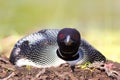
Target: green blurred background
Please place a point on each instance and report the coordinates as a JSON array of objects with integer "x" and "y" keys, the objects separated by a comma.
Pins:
[{"x": 97, "y": 20}]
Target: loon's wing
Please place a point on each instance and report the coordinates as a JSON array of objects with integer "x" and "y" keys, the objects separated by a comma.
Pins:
[
  {"x": 91, "y": 53},
  {"x": 37, "y": 49}
]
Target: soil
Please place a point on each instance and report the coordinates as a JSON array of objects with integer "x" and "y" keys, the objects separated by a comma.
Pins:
[{"x": 62, "y": 72}]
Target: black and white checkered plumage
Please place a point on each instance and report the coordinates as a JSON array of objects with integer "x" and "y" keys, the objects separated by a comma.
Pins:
[
  {"x": 37, "y": 49},
  {"x": 40, "y": 49},
  {"x": 93, "y": 54}
]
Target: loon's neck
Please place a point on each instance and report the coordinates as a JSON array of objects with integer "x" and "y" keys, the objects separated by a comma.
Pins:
[{"x": 68, "y": 56}]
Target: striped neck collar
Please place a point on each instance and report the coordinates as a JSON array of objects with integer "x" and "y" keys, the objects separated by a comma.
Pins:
[{"x": 68, "y": 56}]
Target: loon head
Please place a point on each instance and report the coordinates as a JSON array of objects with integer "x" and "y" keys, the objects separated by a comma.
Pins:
[{"x": 68, "y": 40}]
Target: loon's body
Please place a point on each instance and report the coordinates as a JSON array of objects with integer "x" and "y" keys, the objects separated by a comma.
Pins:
[{"x": 39, "y": 49}]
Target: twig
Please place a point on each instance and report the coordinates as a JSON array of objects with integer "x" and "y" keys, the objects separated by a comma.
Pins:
[
  {"x": 4, "y": 60},
  {"x": 11, "y": 75},
  {"x": 108, "y": 69},
  {"x": 63, "y": 75},
  {"x": 40, "y": 73}
]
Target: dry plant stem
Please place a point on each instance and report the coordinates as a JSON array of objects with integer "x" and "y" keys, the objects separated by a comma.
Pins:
[
  {"x": 40, "y": 73},
  {"x": 108, "y": 69},
  {"x": 11, "y": 75},
  {"x": 4, "y": 60},
  {"x": 63, "y": 75}
]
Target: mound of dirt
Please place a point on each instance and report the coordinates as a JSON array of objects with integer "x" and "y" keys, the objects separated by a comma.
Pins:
[{"x": 108, "y": 71}]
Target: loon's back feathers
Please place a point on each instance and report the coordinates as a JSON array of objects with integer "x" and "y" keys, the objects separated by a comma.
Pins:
[
  {"x": 39, "y": 49},
  {"x": 93, "y": 54},
  {"x": 46, "y": 34}
]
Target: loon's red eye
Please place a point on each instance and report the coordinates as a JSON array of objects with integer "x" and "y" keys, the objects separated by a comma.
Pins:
[
  {"x": 76, "y": 36},
  {"x": 61, "y": 36}
]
